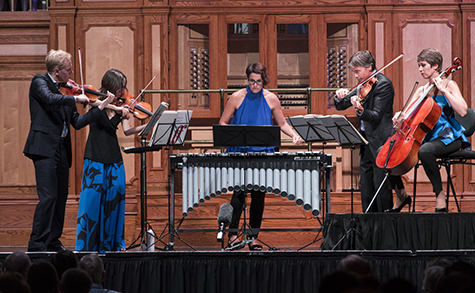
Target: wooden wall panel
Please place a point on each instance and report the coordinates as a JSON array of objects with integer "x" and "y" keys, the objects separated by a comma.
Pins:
[
  {"x": 15, "y": 167},
  {"x": 22, "y": 52},
  {"x": 156, "y": 63},
  {"x": 108, "y": 44}
]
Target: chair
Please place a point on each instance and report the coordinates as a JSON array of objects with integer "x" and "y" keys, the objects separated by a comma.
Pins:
[{"x": 456, "y": 158}]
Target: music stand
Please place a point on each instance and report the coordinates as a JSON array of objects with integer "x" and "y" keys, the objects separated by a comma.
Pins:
[
  {"x": 170, "y": 130},
  {"x": 246, "y": 135},
  {"x": 243, "y": 136},
  {"x": 144, "y": 225},
  {"x": 346, "y": 135},
  {"x": 311, "y": 129}
]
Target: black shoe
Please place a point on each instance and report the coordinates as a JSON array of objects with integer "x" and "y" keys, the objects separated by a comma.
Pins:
[
  {"x": 442, "y": 210},
  {"x": 407, "y": 201}
]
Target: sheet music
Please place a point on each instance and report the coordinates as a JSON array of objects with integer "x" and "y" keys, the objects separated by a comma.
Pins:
[
  {"x": 182, "y": 122},
  {"x": 154, "y": 119},
  {"x": 310, "y": 128},
  {"x": 337, "y": 125},
  {"x": 163, "y": 128}
]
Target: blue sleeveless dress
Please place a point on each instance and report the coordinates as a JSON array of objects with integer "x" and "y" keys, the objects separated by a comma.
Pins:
[
  {"x": 447, "y": 128},
  {"x": 253, "y": 110}
]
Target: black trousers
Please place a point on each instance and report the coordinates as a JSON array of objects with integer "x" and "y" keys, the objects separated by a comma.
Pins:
[
  {"x": 371, "y": 178},
  {"x": 428, "y": 154},
  {"x": 52, "y": 186},
  {"x": 256, "y": 211}
]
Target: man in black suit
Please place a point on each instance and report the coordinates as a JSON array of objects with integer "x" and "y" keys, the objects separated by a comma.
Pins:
[
  {"x": 375, "y": 112},
  {"x": 49, "y": 146}
]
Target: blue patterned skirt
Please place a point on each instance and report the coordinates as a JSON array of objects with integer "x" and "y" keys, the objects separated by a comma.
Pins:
[{"x": 100, "y": 224}]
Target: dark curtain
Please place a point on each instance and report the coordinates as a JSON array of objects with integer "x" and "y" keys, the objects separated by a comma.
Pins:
[
  {"x": 276, "y": 271},
  {"x": 404, "y": 231},
  {"x": 292, "y": 272}
]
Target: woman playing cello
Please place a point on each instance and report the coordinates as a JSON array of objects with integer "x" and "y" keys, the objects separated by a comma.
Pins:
[{"x": 445, "y": 137}]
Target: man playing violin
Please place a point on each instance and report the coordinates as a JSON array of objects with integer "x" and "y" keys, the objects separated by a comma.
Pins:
[
  {"x": 447, "y": 134},
  {"x": 375, "y": 112},
  {"x": 49, "y": 146}
]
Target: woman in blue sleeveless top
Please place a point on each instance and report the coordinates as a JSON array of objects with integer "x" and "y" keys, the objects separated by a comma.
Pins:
[
  {"x": 253, "y": 105},
  {"x": 447, "y": 135}
]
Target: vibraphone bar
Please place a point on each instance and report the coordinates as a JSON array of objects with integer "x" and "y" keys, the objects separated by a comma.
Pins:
[{"x": 297, "y": 176}]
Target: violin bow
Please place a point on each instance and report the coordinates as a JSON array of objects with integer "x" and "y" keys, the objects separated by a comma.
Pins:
[
  {"x": 380, "y": 70},
  {"x": 148, "y": 84},
  {"x": 80, "y": 70}
]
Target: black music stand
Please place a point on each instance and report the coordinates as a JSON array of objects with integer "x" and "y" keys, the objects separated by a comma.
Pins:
[
  {"x": 171, "y": 131},
  {"x": 243, "y": 136},
  {"x": 346, "y": 135},
  {"x": 312, "y": 129},
  {"x": 144, "y": 225},
  {"x": 246, "y": 135}
]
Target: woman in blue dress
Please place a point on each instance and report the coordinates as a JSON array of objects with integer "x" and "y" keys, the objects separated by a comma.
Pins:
[
  {"x": 253, "y": 105},
  {"x": 100, "y": 223},
  {"x": 447, "y": 135}
]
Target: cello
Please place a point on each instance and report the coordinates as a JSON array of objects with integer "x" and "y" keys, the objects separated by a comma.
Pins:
[{"x": 399, "y": 154}]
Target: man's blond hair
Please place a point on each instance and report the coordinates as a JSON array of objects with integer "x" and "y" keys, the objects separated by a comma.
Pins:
[{"x": 56, "y": 58}]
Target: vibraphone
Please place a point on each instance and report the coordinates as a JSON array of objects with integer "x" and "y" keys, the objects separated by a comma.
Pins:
[{"x": 298, "y": 176}]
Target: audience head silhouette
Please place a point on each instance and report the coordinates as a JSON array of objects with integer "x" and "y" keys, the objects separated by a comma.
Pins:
[
  {"x": 93, "y": 265},
  {"x": 64, "y": 260},
  {"x": 13, "y": 282},
  {"x": 75, "y": 281},
  {"x": 18, "y": 262},
  {"x": 42, "y": 278}
]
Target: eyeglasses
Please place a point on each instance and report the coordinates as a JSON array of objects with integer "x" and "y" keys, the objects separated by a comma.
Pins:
[{"x": 252, "y": 81}]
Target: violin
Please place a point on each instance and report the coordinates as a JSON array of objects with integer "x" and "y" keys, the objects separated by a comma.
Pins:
[
  {"x": 71, "y": 88},
  {"x": 367, "y": 84},
  {"x": 141, "y": 110},
  {"x": 418, "y": 119},
  {"x": 366, "y": 88}
]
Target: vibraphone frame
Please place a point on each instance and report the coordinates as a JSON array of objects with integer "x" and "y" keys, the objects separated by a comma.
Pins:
[{"x": 175, "y": 163}]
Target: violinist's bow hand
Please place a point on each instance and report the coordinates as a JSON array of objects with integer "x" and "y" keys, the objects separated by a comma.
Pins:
[
  {"x": 82, "y": 99},
  {"x": 341, "y": 93}
]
